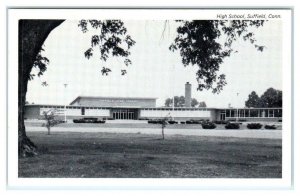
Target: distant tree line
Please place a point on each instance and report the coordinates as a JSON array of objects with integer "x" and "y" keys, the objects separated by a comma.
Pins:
[
  {"x": 180, "y": 102},
  {"x": 271, "y": 98}
]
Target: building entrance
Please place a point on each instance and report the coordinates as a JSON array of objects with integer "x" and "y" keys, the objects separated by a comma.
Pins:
[
  {"x": 125, "y": 114},
  {"x": 222, "y": 115}
]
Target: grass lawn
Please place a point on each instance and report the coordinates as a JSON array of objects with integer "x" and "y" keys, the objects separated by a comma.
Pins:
[{"x": 124, "y": 155}]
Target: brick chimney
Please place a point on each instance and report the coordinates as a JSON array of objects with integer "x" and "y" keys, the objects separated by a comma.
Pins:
[{"x": 188, "y": 94}]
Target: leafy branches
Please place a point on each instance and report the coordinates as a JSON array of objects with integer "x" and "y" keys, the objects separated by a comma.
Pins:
[
  {"x": 111, "y": 41},
  {"x": 199, "y": 43},
  {"x": 50, "y": 118},
  {"x": 41, "y": 63}
]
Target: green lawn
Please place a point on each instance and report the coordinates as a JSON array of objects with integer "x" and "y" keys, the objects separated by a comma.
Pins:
[{"x": 121, "y": 155}]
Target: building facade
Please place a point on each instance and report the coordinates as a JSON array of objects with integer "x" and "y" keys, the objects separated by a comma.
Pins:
[
  {"x": 134, "y": 108},
  {"x": 134, "y": 113}
]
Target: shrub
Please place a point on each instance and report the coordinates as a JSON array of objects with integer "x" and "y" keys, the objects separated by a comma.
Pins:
[
  {"x": 197, "y": 122},
  {"x": 194, "y": 122},
  {"x": 208, "y": 125},
  {"x": 270, "y": 127},
  {"x": 89, "y": 120},
  {"x": 254, "y": 126},
  {"x": 150, "y": 121},
  {"x": 155, "y": 121},
  {"x": 188, "y": 122},
  {"x": 232, "y": 126},
  {"x": 172, "y": 122},
  {"x": 75, "y": 121},
  {"x": 100, "y": 121}
]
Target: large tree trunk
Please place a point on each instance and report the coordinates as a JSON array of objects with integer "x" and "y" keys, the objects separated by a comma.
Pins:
[{"x": 32, "y": 34}]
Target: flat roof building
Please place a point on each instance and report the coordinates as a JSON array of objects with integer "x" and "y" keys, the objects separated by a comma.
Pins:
[{"x": 134, "y": 108}]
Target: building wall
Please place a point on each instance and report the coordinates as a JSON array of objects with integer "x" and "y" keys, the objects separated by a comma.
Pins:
[
  {"x": 115, "y": 102},
  {"x": 256, "y": 119},
  {"x": 177, "y": 114},
  {"x": 78, "y": 111},
  {"x": 36, "y": 112},
  {"x": 75, "y": 112},
  {"x": 215, "y": 115}
]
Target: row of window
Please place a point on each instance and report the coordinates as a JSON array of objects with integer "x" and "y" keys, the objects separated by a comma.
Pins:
[
  {"x": 176, "y": 109},
  {"x": 268, "y": 113}
]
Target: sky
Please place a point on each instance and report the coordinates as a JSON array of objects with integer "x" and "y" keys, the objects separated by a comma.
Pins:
[{"x": 155, "y": 70}]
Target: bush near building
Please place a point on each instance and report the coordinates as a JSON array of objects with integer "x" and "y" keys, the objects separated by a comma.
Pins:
[
  {"x": 270, "y": 127},
  {"x": 155, "y": 121},
  {"x": 193, "y": 122},
  {"x": 232, "y": 126},
  {"x": 171, "y": 122},
  {"x": 160, "y": 121},
  {"x": 88, "y": 120},
  {"x": 208, "y": 125},
  {"x": 254, "y": 126}
]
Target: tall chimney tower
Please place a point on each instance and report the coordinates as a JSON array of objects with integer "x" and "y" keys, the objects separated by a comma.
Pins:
[{"x": 188, "y": 95}]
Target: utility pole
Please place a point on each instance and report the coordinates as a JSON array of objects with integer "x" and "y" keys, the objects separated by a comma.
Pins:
[
  {"x": 65, "y": 104},
  {"x": 173, "y": 106},
  {"x": 237, "y": 108}
]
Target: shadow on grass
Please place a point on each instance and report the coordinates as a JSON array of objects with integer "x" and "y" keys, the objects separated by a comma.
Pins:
[{"x": 101, "y": 155}]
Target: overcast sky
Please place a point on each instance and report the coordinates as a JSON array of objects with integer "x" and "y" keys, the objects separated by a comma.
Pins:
[{"x": 155, "y": 71}]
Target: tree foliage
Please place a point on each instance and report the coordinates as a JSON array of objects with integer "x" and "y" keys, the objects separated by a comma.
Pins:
[
  {"x": 180, "y": 102},
  {"x": 202, "y": 104},
  {"x": 253, "y": 100},
  {"x": 112, "y": 40},
  {"x": 194, "y": 102},
  {"x": 200, "y": 43},
  {"x": 271, "y": 98},
  {"x": 50, "y": 118},
  {"x": 40, "y": 63}
]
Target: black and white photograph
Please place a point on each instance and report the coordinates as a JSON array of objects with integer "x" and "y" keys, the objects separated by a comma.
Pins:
[{"x": 158, "y": 94}]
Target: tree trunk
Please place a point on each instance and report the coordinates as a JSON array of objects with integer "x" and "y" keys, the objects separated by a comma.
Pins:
[
  {"x": 48, "y": 130},
  {"x": 32, "y": 34}
]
